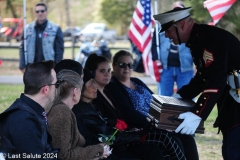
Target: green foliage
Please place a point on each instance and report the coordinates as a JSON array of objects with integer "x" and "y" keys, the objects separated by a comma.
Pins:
[
  {"x": 118, "y": 12},
  {"x": 104, "y": 139},
  {"x": 230, "y": 21},
  {"x": 199, "y": 13}
]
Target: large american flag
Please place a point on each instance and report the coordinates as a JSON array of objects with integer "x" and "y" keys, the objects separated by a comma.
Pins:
[
  {"x": 217, "y": 8},
  {"x": 140, "y": 33}
]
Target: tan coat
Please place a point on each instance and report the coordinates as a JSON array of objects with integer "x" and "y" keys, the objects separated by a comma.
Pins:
[{"x": 66, "y": 137}]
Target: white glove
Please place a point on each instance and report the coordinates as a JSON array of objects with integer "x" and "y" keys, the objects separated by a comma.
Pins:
[
  {"x": 2, "y": 156},
  {"x": 106, "y": 151},
  {"x": 176, "y": 96},
  {"x": 189, "y": 124}
]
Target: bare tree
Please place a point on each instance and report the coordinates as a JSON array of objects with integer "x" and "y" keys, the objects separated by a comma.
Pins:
[{"x": 10, "y": 6}]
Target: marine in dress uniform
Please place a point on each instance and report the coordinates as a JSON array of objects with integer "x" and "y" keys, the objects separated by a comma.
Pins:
[{"x": 216, "y": 54}]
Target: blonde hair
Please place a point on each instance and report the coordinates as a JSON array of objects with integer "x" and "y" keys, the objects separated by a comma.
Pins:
[{"x": 67, "y": 80}]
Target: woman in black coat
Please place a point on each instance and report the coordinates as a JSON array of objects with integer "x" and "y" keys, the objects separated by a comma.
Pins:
[{"x": 94, "y": 123}]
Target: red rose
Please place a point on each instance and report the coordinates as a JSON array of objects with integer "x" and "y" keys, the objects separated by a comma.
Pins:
[{"x": 121, "y": 125}]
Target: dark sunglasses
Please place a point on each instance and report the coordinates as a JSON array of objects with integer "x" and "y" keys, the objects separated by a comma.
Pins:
[
  {"x": 40, "y": 11},
  {"x": 124, "y": 65},
  {"x": 55, "y": 84}
]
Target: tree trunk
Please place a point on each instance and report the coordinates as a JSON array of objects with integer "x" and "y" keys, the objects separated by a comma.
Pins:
[{"x": 10, "y": 6}]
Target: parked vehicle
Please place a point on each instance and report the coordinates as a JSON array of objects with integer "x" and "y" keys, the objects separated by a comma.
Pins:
[
  {"x": 12, "y": 28},
  {"x": 97, "y": 31},
  {"x": 71, "y": 31},
  {"x": 98, "y": 47}
]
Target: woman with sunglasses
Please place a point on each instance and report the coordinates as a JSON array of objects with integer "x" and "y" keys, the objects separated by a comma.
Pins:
[
  {"x": 105, "y": 103},
  {"x": 134, "y": 97},
  {"x": 62, "y": 121}
]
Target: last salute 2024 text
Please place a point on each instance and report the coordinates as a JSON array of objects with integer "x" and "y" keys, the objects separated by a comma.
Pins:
[{"x": 31, "y": 156}]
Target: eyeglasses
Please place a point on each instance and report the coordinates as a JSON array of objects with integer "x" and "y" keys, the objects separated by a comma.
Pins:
[
  {"x": 124, "y": 65},
  {"x": 55, "y": 84},
  {"x": 40, "y": 11}
]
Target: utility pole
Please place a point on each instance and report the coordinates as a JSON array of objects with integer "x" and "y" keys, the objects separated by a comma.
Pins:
[
  {"x": 68, "y": 21},
  {"x": 24, "y": 28}
]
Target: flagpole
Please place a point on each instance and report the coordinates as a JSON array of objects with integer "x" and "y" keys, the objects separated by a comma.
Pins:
[
  {"x": 157, "y": 40},
  {"x": 156, "y": 26},
  {"x": 24, "y": 29}
]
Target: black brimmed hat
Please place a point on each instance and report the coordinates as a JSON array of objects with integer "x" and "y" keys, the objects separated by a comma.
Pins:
[
  {"x": 70, "y": 65},
  {"x": 168, "y": 18}
]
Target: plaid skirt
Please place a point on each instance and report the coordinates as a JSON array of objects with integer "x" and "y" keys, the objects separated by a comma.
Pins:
[{"x": 167, "y": 144}]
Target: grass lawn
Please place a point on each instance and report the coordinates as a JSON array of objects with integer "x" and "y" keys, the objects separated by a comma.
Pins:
[
  {"x": 8, "y": 93},
  {"x": 68, "y": 52},
  {"x": 11, "y": 67},
  {"x": 209, "y": 144},
  {"x": 13, "y": 53}
]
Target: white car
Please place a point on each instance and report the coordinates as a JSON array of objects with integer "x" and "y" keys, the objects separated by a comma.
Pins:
[{"x": 97, "y": 31}]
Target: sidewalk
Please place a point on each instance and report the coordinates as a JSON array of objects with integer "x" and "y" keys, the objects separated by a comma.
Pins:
[{"x": 6, "y": 79}]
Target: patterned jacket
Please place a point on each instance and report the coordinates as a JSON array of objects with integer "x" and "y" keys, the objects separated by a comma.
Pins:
[{"x": 66, "y": 137}]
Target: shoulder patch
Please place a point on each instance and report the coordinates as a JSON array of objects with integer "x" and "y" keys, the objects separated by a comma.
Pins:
[{"x": 207, "y": 57}]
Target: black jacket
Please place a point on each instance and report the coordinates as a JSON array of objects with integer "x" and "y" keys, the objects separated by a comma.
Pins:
[
  {"x": 24, "y": 129},
  {"x": 112, "y": 114},
  {"x": 215, "y": 54},
  {"x": 119, "y": 93},
  {"x": 123, "y": 147},
  {"x": 95, "y": 124},
  {"x": 92, "y": 122}
]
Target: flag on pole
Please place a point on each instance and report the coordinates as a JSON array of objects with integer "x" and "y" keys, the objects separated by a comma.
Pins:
[
  {"x": 140, "y": 33},
  {"x": 217, "y": 8}
]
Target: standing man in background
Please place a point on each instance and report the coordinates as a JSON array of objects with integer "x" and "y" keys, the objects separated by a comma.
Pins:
[
  {"x": 176, "y": 60},
  {"x": 44, "y": 40}
]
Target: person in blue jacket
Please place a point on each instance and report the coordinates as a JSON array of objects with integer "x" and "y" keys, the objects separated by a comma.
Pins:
[
  {"x": 44, "y": 40},
  {"x": 176, "y": 61}
]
